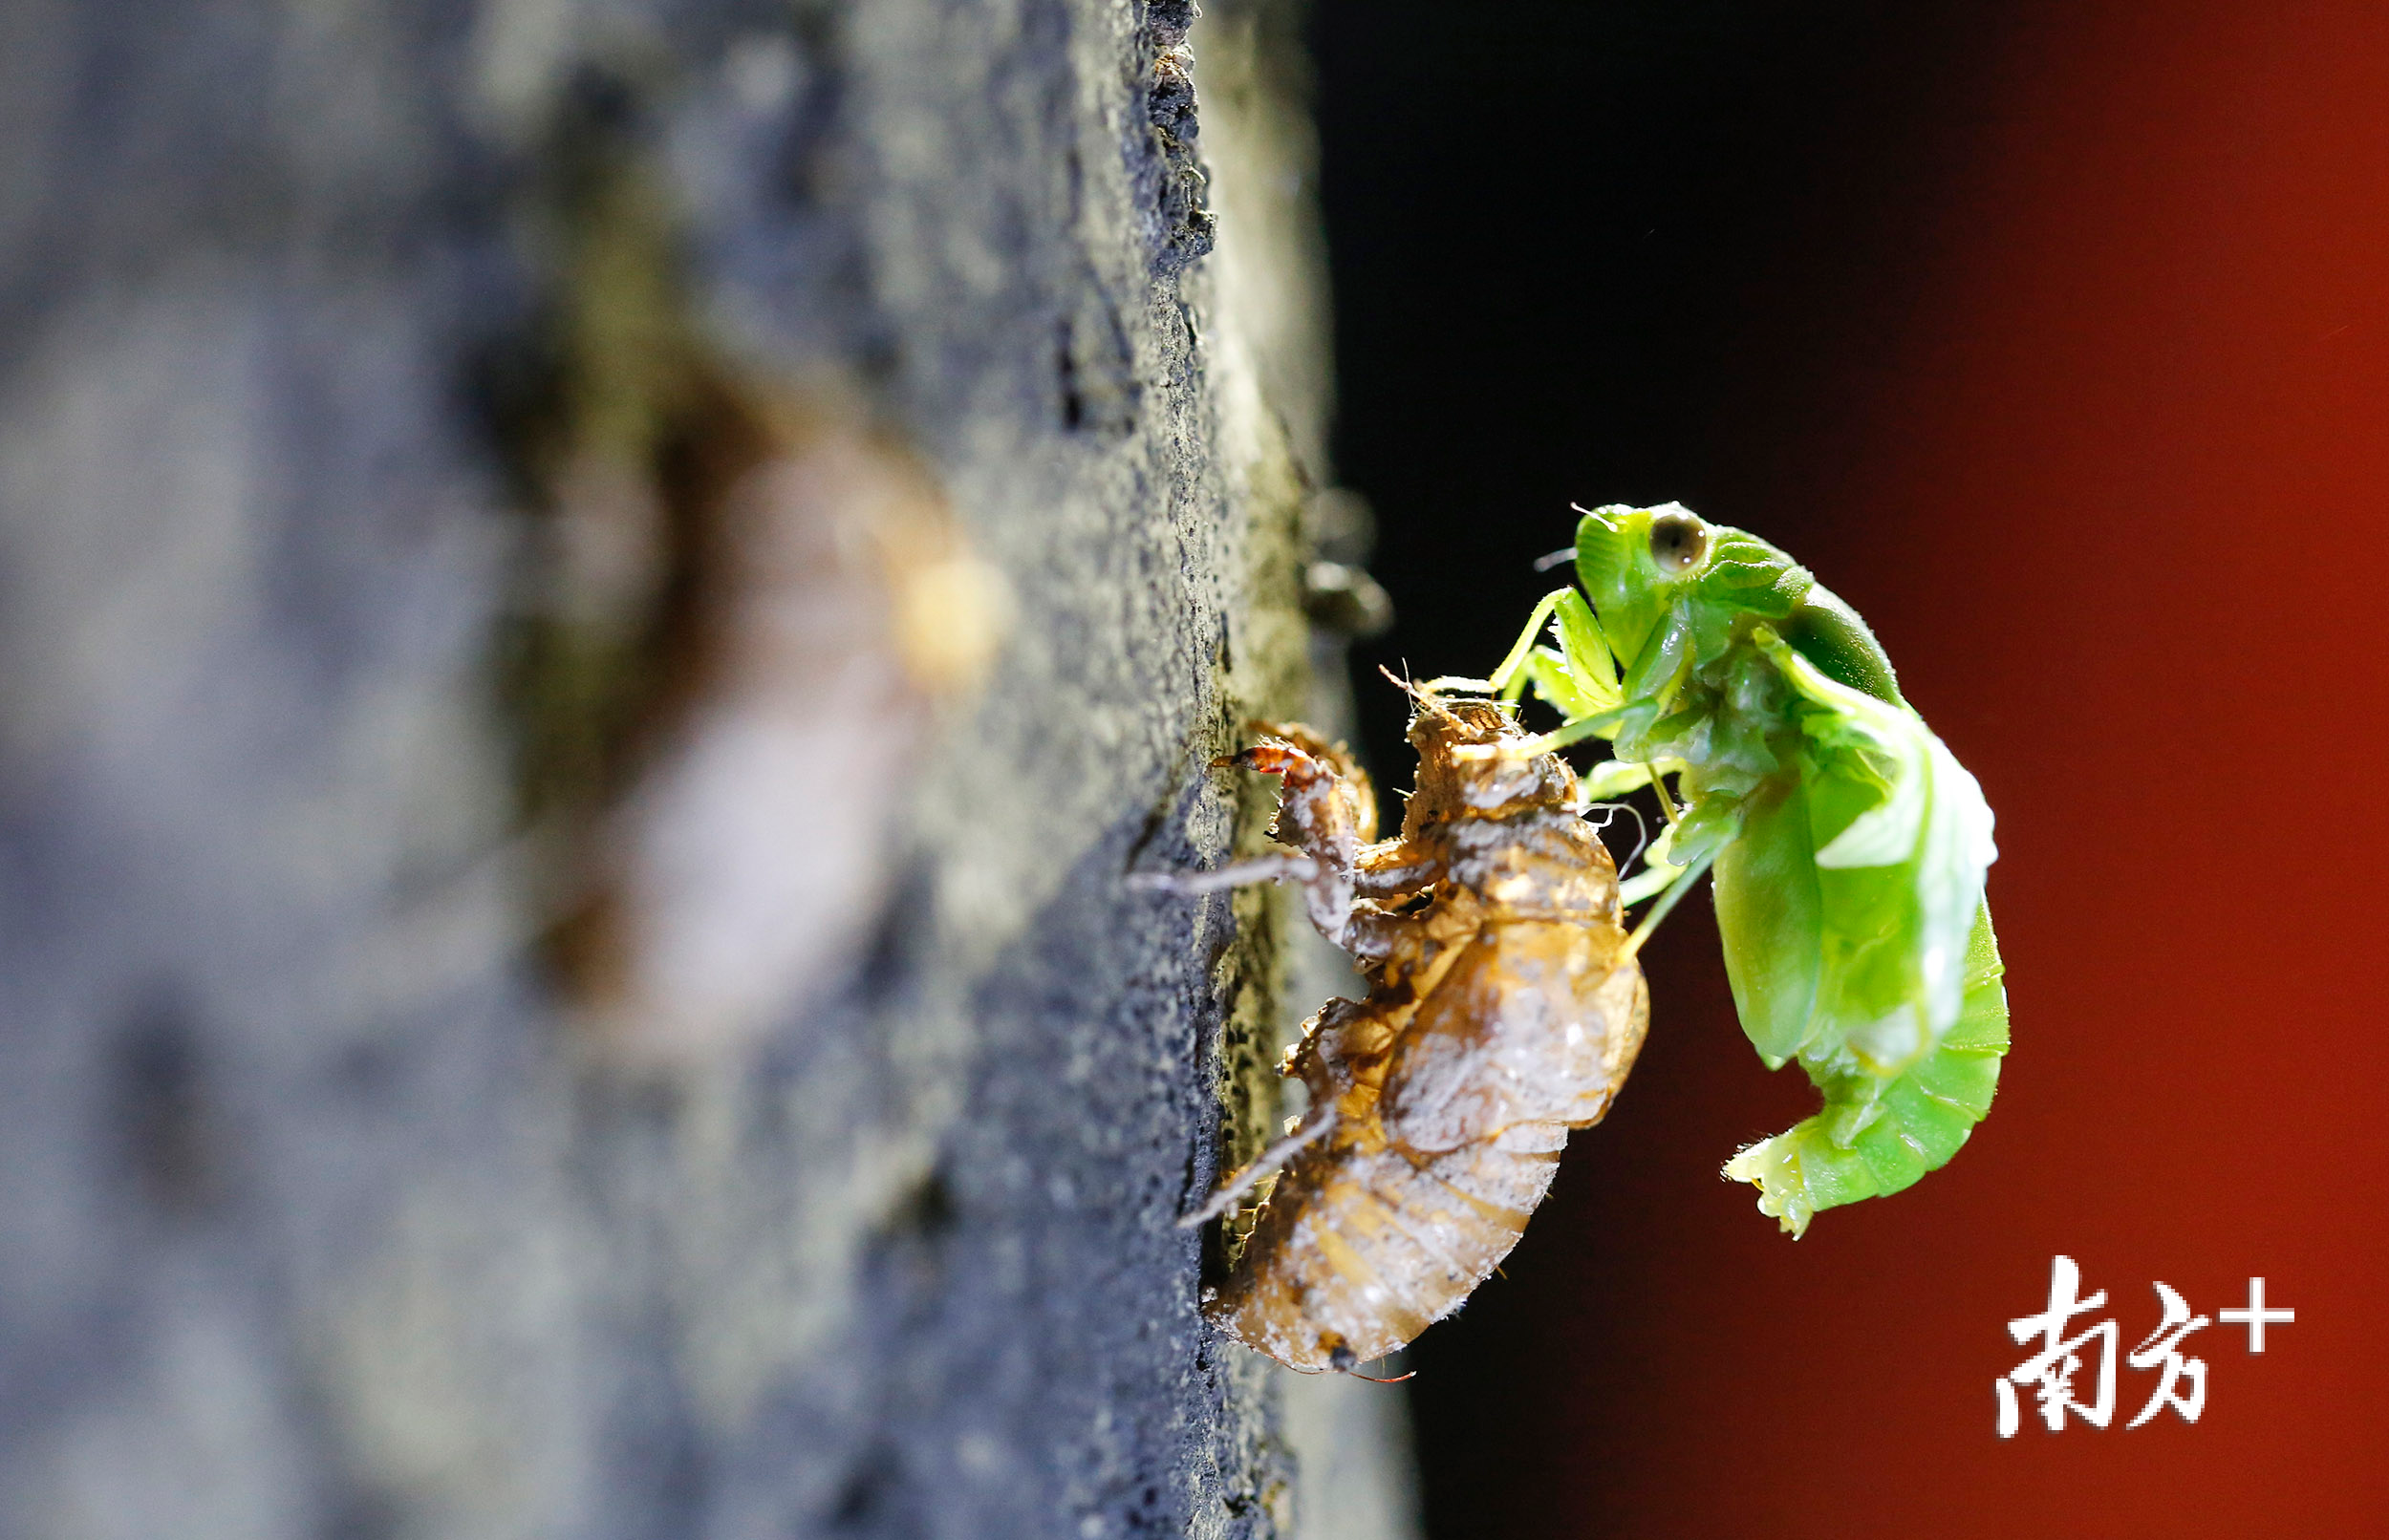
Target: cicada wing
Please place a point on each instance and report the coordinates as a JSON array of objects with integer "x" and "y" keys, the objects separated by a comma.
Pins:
[
  {"x": 1908, "y": 1018},
  {"x": 1903, "y": 840},
  {"x": 1769, "y": 919}
]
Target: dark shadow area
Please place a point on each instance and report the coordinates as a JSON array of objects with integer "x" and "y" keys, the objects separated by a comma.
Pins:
[
  {"x": 1600, "y": 252},
  {"x": 1603, "y": 253}
]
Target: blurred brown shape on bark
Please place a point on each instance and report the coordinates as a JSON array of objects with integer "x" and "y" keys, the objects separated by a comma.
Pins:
[{"x": 527, "y": 485}]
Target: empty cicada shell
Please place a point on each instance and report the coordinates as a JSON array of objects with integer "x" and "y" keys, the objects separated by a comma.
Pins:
[{"x": 1505, "y": 1007}]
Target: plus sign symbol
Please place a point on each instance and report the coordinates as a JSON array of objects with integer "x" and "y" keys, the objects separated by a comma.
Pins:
[{"x": 2256, "y": 1317}]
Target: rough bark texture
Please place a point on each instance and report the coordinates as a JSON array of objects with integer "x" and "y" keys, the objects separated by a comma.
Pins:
[{"x": 381, "y": 386}]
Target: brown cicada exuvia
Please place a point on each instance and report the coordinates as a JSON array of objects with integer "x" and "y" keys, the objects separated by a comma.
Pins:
[{"x": 1504, "y": 1008}]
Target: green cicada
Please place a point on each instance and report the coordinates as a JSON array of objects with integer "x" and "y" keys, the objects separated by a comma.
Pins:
[{"x": 1849, "y": 845}]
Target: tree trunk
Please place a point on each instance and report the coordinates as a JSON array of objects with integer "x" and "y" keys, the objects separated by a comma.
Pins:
[{"x": 598, "y": 600}]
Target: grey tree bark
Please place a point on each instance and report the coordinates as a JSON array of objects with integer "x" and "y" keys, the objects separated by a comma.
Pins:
[{"x": 596, "y": 597}]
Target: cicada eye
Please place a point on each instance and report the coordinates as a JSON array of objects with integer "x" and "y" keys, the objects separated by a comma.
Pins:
[{"x": 1678, "y": 542}]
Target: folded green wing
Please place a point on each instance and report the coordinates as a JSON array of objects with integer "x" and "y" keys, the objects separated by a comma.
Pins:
[
  {"x": 1857, "y": 940},
  {"x": 1876, "y": 1134}
]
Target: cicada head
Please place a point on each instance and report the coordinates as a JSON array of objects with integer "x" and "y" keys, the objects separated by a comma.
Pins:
[
  {"x": 1470, "y": 765},
  {"x": 1636, "y": 565}
]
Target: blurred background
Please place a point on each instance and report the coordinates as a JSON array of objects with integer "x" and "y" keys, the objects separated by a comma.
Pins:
[
  {"x": 598, "y": 596},
  {"x": 2054, "y": 336}
]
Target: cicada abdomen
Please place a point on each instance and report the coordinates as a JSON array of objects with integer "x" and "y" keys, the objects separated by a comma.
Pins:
[
  {"x": 1876, "y": 1136},
  {"x": 1505, "y": 1007}
]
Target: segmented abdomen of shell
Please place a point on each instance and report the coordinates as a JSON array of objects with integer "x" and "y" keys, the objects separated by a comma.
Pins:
[{"x": 1439, "y": 1157}]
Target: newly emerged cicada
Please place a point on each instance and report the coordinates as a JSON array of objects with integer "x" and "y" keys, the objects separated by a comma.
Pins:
[
  {"x": 1505, "y": 1003},
  {"x": 1504, "y": 1009},
  {"x": 1849, "y": 845}
]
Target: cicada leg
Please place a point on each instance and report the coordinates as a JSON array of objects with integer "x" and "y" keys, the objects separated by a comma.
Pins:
[
  {"x": 1315, "y": 1125},
  {"x": 1336, "y": 1047},
  {"x": 1245, "y": 873},
  {"x": 1508, "y": 679},
  {"x": 1326, "y": 812}
]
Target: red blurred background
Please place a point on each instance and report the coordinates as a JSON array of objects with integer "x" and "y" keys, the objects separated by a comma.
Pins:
[{"x": 2055, "y": 337}]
